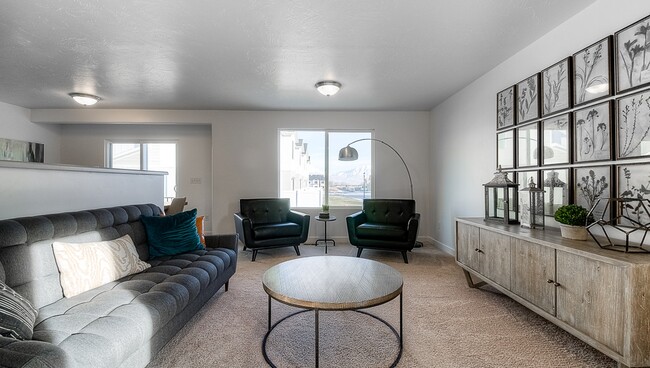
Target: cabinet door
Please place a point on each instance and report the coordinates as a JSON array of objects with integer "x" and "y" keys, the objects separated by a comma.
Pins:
[
  {"x": 590, "y": 298},
  {"x": 532, "y": 266},
  {"x": 495, "y": 257},
  {"x": 467, "y": 242}
]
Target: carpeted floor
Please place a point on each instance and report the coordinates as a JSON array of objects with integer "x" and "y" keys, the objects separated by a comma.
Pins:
[{"x": 446, "y": 324}]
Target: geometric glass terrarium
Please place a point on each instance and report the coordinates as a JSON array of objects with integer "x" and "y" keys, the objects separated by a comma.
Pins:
[
  {"x": 627, "y": 231},
  {"x": 531, "y": 204},
  {"x": 501, "y": 199}
]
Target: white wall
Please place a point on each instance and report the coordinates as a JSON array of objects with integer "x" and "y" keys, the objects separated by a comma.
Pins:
[
  {"x": 463, "y": 136},
  {"x": 244, "y": 160},
  {"x": 15, "y": 124},
  {"x": 84, "y": 145}
]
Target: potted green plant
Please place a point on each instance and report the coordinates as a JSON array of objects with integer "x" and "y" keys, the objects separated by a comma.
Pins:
[{"x": 572, "y": 218}]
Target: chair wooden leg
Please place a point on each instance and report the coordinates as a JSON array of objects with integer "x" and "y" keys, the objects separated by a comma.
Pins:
[
  {"x": 406, "y": 260},
  {"x": 227, "y": 285},
  {"x": 254, "y": 255},
  {"x": 359, "y": 252},
  {"x": 297, "y": 249}
]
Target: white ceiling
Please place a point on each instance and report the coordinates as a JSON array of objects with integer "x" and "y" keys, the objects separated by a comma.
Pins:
[{"x": 260, "y": 54}]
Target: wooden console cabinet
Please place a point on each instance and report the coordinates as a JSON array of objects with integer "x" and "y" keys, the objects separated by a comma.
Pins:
[{"x": 600, "y": 296}]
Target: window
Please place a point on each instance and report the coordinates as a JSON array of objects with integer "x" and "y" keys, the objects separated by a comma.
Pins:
[
  {"x": 145, "y": 156},
  {"x": 311, "y": 174}
]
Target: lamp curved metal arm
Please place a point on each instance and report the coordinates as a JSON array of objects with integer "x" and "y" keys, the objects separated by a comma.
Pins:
[{"x": 394, "y": 150}]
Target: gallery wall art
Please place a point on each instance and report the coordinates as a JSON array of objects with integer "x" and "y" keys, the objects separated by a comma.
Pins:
[
  {"x": 571, "y": 126},
  {"x": 15, "y": 150}
]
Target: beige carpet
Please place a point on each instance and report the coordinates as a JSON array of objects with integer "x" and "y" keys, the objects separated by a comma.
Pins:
[{"x": 446, "y": 324}]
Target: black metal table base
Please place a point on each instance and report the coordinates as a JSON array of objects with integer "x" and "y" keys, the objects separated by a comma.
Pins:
[
  {"x": 399, "y": 334},
  {"x": 325, "y": 240}
]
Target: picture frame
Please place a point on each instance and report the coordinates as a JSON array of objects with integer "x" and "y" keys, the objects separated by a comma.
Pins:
[
  {"x": 592, "y": 72},
  {"x": 592, "y": 133},
  {"x": 15, "y": 150},
  {"x": 506, "y": 149},
  {"x": 506, "y": 108},
  {"x": 590, "y": 184},
  {"x": 556, "y": 140},
  {"x": 557, "y": 184},
  {"x": 528, "y": 101},
  {"x": 528, "y": 145},
  {"x": 631, "y": 182},
  {"x": 556, "y": 87},
  {"x": 632, "y": 59},
  {"x": 633, "y": 125}
]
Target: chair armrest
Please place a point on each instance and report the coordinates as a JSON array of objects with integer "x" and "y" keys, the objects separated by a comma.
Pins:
[
  {"x": 352, "y": 221},
  {"x": 244, "y": 229},
  {"x": 222, "y": 241},
  {"x": 412, "y": 227},
  {"x": 301, "y": 219}
]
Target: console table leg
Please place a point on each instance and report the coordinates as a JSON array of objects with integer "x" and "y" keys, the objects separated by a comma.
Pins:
[
  {"x": 470, "y": 282},
  {"x": 316, "y": 328}
]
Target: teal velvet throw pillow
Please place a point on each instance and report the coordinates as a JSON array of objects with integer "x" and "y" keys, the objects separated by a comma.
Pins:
[{"x": 174, "y": 234}]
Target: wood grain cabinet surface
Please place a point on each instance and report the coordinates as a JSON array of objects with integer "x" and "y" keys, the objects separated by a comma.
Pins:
[{"x": 600, "y": 296}]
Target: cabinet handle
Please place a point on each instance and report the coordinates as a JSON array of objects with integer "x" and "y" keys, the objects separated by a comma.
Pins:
[
  {"x": 478, "y": 250},
  {"x": 556, "y": 284}
]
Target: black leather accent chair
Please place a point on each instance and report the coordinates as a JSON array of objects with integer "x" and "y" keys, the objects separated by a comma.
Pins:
[
  {"x": 264, "y": 223},
  {"x": 386, "y": 224}
]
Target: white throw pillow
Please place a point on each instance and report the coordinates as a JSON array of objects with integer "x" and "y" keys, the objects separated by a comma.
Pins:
[{"x": 84, "y": 266}]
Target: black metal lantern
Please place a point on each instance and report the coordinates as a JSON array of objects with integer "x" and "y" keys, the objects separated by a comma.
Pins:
[
  {"x": 531, "y": 204},
  {"x": 501, "y": 199}
]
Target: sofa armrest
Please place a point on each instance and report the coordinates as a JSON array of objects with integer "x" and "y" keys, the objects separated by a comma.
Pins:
[
  {"x": 32, "y": 354},
  {"x": 222, "y": 241},
  {"x": 301, "y": 219}
]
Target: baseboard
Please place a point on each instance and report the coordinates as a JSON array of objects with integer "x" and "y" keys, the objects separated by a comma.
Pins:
[{"x": 442, "y": 246}]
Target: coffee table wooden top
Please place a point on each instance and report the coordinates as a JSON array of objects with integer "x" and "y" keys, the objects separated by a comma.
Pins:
[{"x": 332, "y": 283}]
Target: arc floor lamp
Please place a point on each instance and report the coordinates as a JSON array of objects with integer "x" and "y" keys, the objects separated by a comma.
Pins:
[{"x": 348, "y": 153}]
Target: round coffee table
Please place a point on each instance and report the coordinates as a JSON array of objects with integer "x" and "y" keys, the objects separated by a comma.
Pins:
[{"x": 334, "y": 284}]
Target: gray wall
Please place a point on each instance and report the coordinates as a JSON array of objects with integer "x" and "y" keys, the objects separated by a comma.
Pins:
[{"x": 463, "y": 128}]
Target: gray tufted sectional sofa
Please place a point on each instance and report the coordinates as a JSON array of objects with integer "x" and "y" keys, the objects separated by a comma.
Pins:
[{"x": 120, "y": 324}]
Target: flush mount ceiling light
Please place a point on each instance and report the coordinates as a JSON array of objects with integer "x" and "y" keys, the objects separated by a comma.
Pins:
[
  {"x": 84, "y": 99},
  {"x": 328, "y": 88}
]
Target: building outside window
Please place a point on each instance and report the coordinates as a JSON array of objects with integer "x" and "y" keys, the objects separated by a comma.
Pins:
[
  {"x": 145, "y": 156},
  {"x": 311, "y": 174}
]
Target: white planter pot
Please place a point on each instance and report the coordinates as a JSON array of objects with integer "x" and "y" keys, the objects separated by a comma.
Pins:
[{"x": 574, "y": 232}]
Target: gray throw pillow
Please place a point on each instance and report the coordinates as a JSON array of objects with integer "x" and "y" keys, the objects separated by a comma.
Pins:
[{"x": 17, "y": 315}]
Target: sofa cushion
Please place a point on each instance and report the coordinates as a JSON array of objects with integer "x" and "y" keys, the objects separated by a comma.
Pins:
[
  {"x": 174, "y": 234},
  {"x": 272, "y": 231},
  {"x": 378, "y": 231},
  {"x": 84, "y": 266},
  {"x": 17, "y": 315}
]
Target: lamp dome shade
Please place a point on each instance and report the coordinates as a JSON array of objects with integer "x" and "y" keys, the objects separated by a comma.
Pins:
[
  {"x": 348, "y": 153},
  {"x": 328, "y": 88}
]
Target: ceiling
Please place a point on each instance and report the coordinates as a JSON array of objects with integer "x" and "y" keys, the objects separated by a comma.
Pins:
[{"x": 260, "y": 54}]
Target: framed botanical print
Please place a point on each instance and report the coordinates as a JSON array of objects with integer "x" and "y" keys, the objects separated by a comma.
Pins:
[
  {"x": 556, "y": 86},
  {"x": 591, "y": 184},
  {"x": 592, "y": 133},
  {"x": 633, "y": 181},
  {"x": 506, "y": 108},
  {"x": 592, "y": 72},
  {"x": 555, "y": 140},
  {"x": 633, "y": 125},
  {"x": 557, "y": 186},
  {"x": 528, "y": 99},
  {"x": 506, "y": 149},
  {"x": 632, "y": 59},
  {"x": 528, "y": 145}
]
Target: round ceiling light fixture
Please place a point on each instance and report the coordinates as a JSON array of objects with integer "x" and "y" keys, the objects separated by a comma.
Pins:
[
  {"x": 328, "y": 87},
  {"x": 84, "y": 99}
]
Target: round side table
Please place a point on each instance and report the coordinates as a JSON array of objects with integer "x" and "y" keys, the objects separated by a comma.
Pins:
[{"x": 325, "y": 239}]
